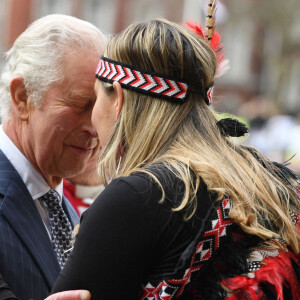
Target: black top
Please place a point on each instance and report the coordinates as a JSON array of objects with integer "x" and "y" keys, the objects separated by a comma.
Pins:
[
  {"x": 127, "y": 234},
  {"x": 131, "y": 246}
]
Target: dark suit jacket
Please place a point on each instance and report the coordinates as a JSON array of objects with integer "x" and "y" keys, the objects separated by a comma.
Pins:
[{"x": 28, "y": 263}]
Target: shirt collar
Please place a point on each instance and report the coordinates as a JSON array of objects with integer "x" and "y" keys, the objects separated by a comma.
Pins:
[{"x": 34, "y": 181}]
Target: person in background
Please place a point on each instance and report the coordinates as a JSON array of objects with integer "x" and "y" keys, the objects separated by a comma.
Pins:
[
  {"x": 186, "y": 213},
  {"x": 46, "y": 99}
]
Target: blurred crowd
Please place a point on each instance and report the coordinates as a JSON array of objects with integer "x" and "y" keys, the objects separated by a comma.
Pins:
[{"x": 274, "y": 132}]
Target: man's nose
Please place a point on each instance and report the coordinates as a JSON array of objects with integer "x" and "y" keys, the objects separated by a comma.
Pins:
[
  {"x": 90, "y": 129},
  {"x": 87, "y": 126}
]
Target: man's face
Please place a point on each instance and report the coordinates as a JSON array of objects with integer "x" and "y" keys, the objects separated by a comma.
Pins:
[{"x": 60, "y": 136}]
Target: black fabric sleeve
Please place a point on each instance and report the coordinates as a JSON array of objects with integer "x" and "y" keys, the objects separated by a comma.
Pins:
[
  {"x": 5, "y": 291},
  {"x": 115, "y": 246}
]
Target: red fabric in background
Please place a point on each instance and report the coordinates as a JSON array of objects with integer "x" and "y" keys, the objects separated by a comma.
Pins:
[{"x": 69, "y": 192}]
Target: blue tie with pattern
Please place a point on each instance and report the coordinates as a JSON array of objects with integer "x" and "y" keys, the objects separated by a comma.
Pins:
[{"x": 61, "y": 229}]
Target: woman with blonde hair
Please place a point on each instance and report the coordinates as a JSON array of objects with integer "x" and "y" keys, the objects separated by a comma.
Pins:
[{"x": 186, "y": 213}]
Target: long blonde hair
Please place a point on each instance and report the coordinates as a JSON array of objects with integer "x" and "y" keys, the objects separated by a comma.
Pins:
[{"x": 185, "y": 137}]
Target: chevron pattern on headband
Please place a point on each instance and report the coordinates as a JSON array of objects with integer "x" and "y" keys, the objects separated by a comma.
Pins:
[
  {"x": 155, "y": 85},
  {"x": 209, "y": 93}
]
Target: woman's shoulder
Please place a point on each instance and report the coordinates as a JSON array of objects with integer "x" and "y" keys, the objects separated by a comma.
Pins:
[
  {"x": 155, "y": 190},
  {"x": 140, "y": 185},
  {"x": 148, "y": 181},
  {"x": 138, "y": 191},
  {"x": 159, "y": 177}
]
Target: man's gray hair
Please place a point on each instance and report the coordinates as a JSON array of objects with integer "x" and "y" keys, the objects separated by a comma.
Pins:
[{"x": 37, "y": 55}]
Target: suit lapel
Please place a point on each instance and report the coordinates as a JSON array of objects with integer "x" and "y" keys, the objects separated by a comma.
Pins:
[{"x": 22, "y": 215}]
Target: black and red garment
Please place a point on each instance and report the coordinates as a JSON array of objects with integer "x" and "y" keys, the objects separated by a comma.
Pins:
[{"x": 131, "y": 246}]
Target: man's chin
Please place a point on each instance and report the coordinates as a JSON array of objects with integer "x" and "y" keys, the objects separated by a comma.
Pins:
[{"x": 73, "y": 170}]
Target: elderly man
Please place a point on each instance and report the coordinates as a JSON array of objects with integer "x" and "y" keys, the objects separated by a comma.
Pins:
[{"x": 46, "y": 98}]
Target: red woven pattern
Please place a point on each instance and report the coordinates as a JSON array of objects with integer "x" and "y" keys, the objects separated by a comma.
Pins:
[{"x": 131, "y": 78}]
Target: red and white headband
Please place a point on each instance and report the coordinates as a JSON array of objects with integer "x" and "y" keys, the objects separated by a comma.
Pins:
[{"x": 149, "y": 83}]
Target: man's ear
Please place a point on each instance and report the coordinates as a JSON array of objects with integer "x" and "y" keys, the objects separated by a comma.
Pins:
[
  {"x": 19, "y": 98},
  {"x": 119, "y": 98}
]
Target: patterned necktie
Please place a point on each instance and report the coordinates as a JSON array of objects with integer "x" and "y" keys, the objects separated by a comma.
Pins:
[{"x": 61, "y": 229}]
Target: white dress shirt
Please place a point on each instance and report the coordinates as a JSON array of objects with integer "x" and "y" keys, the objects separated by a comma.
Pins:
[{"x": 34, "y": 181}]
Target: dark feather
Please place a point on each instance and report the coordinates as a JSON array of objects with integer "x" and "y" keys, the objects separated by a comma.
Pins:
[{"x": 232, "y": 127}]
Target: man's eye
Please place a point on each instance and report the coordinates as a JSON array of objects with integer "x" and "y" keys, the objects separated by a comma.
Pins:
[{"x": 82, "y": 105}]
